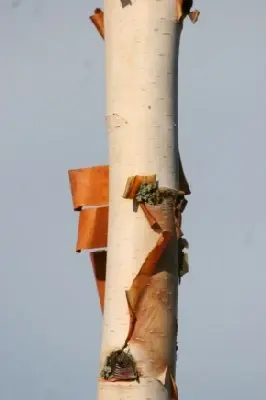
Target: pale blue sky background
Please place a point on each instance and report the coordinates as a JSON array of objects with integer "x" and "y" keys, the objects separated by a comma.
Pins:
[{"x": 52, "y": 111}]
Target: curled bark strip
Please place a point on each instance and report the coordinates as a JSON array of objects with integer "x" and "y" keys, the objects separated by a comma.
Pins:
[
  {"x": 183, "y": 8},
  {"x": 92, "y": 230},
  {"x": 194, "y": 16},
  {"x": 98, "y": 20},
  {"x": 98, "y": 261},
  {"x": 89, "y": 186}
]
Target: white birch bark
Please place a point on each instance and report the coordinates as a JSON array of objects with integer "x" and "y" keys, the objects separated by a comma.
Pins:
[{"x": 141, "y": 42}]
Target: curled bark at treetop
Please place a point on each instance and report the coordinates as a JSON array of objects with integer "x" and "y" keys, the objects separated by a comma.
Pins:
[
  {"x": 183, "y": 8},
  {"x": 182, "y": 11},
  {"x": 98, "y": 20},
  {"x": 194, "y": 16}
]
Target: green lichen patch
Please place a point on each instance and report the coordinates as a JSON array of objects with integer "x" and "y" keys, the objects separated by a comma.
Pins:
[
  {"x": 152, "y": 194},
  {"x": 149, "y": 193},
  {"x": 120, "y": 365}
]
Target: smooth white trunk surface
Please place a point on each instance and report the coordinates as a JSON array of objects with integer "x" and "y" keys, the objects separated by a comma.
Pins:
[{"x": 141, "y": 42}]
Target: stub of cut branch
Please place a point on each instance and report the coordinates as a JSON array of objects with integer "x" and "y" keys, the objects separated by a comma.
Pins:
[{"x": 97, "y": 18}]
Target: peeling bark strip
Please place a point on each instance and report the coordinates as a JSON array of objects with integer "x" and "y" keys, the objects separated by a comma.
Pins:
[
  {"x": 89, "y": 186},
  {"x": 160, "y": 207},
  {"x": 92, "y": 230},
  {"x": 98, "y": 20},
  {"x": 149, "y": 294}
]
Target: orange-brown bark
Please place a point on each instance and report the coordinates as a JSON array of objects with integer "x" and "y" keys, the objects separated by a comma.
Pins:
[{"x": 98, "y": 20}]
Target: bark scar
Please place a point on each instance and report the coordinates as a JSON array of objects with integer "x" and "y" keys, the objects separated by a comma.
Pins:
[{"x": 115, "y": 121}]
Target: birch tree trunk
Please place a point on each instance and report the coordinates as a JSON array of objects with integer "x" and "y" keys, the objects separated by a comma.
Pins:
[
  {"x": 134, "y": 206},
  {"x": 141, "y": 42}
]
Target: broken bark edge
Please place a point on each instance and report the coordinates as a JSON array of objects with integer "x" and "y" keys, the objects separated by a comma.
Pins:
[{"x": 119, "y": 366}]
